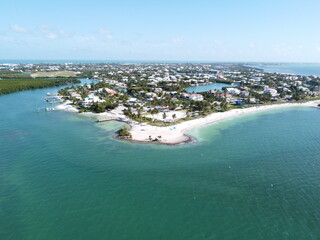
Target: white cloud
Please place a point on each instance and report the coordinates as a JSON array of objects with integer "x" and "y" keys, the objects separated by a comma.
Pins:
[
  {"x": 155, "y": 44},
  {"x": 45, "y": 27},
  {"x": 177, "y": 40},
  {"x": 282, "y": 50},
  {"x": 47, "y": 31},
  {"x": 84, "y": 38},
  {"x": 217, "y": 42},
  {"x": 7, "y": 39},
  {"x": 65, "y": 34},
  {"x": 106, "y": 34},
  {"x": 252, "y": 45},
  {"x": 51, "y": 35},
  {"x": 18, "y": 28}
]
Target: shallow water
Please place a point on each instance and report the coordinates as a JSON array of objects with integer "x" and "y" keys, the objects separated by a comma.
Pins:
[
  {"x": 63, "y": 176},
  {"x": 207, "y": 87}
]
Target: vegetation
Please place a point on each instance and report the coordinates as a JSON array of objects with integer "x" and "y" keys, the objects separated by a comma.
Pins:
[
  {"x": 124, "y": 133},
  {"x": 143, "y": 91},
  {"x": 53, "y": 74},
  {"x": 19, "y": 84},
  {"x": 102, "y": 107}
]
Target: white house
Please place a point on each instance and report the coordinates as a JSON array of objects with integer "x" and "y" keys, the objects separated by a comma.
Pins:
[
  {"x": 196, "y": 97},
  {"x": 273, "y": 92},
  {"x": 75, "y": 95},
  {"x": 233, "y": 91},
  {"x": 132, "y": 101},
  {"x": 91, "y": 99}
]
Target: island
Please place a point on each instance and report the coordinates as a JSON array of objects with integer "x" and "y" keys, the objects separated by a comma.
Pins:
[{"x": 159, "y": 104}]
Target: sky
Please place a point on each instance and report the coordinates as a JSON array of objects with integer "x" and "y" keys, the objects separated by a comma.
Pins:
[{"x": 172, "y": 30}]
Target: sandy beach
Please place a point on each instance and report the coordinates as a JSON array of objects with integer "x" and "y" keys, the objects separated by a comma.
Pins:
[{"x": 177, "y": 134}]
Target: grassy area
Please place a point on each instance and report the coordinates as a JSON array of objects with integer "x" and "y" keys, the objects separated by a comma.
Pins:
[
  {"x": 53, "y": 74},
  {"x": 5, "y": 75},
  {"x": 15, "y": 85}
]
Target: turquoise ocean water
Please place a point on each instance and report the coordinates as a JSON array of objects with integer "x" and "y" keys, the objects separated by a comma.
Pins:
[
  {"x": 306, "y": 69},
  {"x": 63, "y": 176}
]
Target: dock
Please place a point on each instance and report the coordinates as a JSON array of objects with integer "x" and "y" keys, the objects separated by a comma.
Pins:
[
  {"x": 107, "y": 119},
  {"x": 120, "y": 119}
]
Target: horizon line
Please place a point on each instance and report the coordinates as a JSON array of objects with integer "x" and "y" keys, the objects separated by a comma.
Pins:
[{"x": 158, "y": 61}]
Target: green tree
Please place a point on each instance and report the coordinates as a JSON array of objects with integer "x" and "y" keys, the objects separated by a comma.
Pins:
[
  {"x": 174, "y": 116},
  {"x": 164, "y": 115}
]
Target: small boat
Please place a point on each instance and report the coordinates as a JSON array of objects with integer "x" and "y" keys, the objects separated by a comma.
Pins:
[{"x": 48, "y": 109}]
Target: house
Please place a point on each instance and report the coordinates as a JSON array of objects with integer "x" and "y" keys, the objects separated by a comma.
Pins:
[
  {"x": 196, "y": 97},
  {"x": 233, "y": 91},
  {"x": 132, "y": 101},
  {"x": 106, "y": 90},
  {"x": 244, "y": 94},
  {"x": 151, "y": 95},
  {"x": 239, "y": 102},
  {"x": 75, "y": 95},
  {"x": 184, "y": 95},
  {"x": 91, "y": 99},
  {"x": 303, "y": 89},
  {"x": 158, "y": 90},
  {"x": 111, "y": 92},
  {"x": 273, "y": 92},
  {"x": 253, "y": 100}
]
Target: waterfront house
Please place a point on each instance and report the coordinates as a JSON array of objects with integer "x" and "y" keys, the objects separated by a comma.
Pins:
[{"x": 87, "y": 102}]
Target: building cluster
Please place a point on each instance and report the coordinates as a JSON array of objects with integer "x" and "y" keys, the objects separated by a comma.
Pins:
[{"x": 164, "y": 86}]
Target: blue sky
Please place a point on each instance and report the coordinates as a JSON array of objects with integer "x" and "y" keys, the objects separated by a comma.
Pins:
[{"x": 198, "y": 30}]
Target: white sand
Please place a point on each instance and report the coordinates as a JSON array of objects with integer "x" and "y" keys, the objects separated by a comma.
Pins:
[
  {"x": 176, "y": 134},
  {"x": 169, "y": 114},
  {"x": 173, "y": 135},
  {"x": 67, "y": 107}
]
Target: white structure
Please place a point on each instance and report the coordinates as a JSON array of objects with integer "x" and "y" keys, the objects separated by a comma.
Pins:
[
  {"x": 303, "y": 89},
  {"x": 196, "y": 97},
  {"x": 273, "y": 92},
  {"x": 75, "y": 95},
  {"x": 91, "y": 99},
  {"x": 132, "y": 101},
  {"x": 233, "y": 91}
]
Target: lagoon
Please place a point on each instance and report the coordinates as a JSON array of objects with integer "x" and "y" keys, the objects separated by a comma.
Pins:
[{"x": 207, "y": 87}]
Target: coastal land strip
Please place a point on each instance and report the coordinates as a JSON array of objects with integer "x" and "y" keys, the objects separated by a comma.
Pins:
[{"x": 177, "y": 134}]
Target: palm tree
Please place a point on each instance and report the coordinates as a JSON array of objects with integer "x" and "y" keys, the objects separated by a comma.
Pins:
[
  {"x": 164, "y": 115},
  {"x": 139, "y": 111}
]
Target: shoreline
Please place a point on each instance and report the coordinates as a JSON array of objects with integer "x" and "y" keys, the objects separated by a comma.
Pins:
[{"x": 177, "y": 134}]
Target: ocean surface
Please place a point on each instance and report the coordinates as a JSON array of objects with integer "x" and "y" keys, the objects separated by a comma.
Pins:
[
  {"x": 64, "y": 176},
  {"x": 62, "y": 61},
  {"x": 207, "y": 87},
  {"x": 300, "y": 69}
]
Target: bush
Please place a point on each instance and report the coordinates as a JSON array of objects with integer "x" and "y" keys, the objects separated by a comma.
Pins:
[{"x": 124, "y": 133}]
